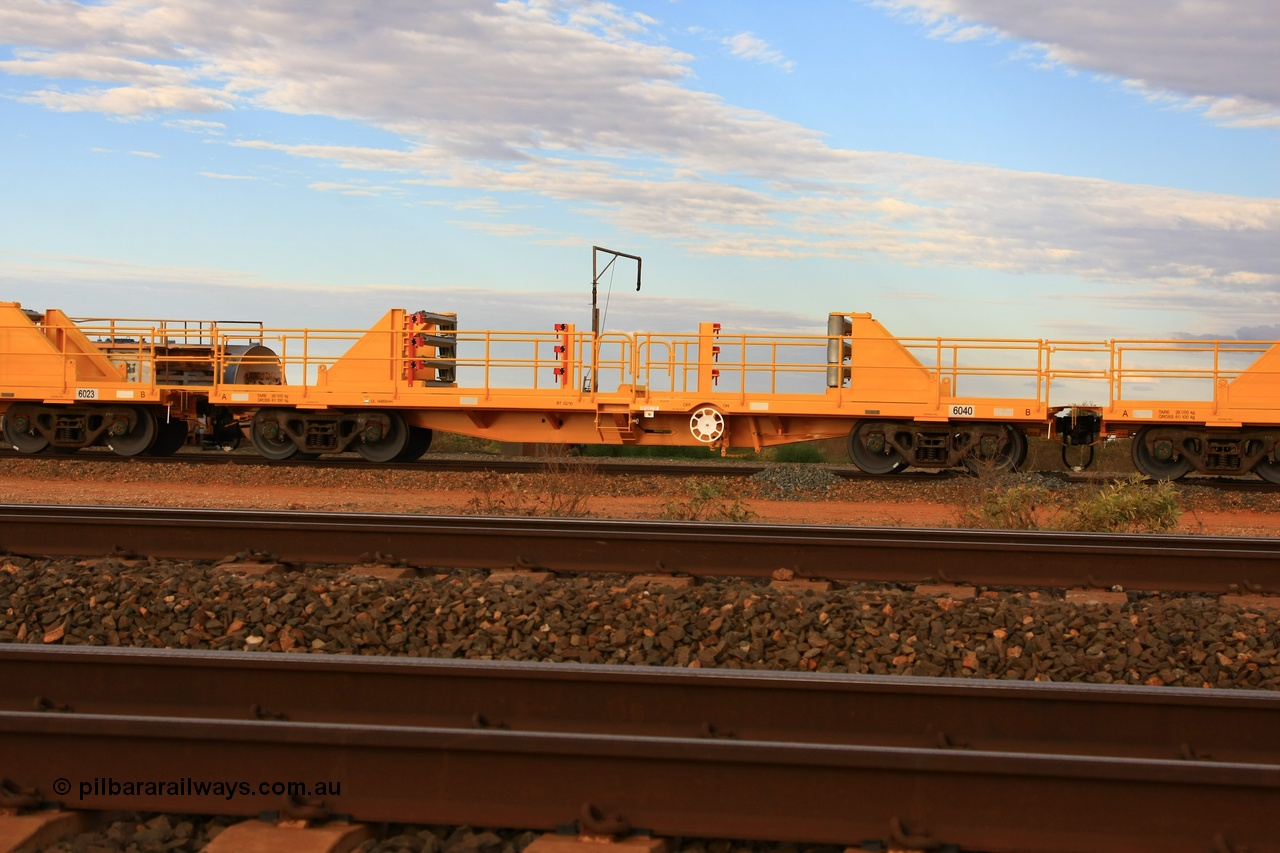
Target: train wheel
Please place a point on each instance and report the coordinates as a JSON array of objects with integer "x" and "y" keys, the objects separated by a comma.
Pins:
[
  {"x": 1153, "y": 464},
  {"x": 419, "y": 443},
  {"x": 137, "y": 440},
  {"x": 173, "y": 435},
  {"x": 268, "y": 438},
  {"x": 1268, "y": 470},
  {"x": 19, "y": 431},
  {"x": 707, "y": 424},
  {"x": 1005, "y": 453},
  {"x": 378, "y": 445},
  {"x": 871, "y": 452}
]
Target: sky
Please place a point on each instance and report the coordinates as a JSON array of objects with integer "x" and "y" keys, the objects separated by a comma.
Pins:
[{"x": 965, "y": 168}]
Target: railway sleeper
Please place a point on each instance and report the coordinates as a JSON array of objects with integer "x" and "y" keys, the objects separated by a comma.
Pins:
[{"x": 1167, "y": 453}]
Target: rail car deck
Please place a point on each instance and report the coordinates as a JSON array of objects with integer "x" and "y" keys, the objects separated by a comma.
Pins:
[{"x": 140, "y": 386}]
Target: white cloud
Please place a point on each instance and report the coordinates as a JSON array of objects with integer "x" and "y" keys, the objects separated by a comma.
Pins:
[
  {"x": 755, "y": 49},
  {"x": 562, "y": 100},
  {"x": 356, "y": 188},
  {"x": 219, "y": 176},
  {"x": 150, "y": 155},
  {"x": 129, "y": 101},
  {"x": 97, "y": 286},
  {"x": 192, "y": 125},
  {"x": 915, "y": 210},
  {"x": 517, "y": 229},
  {"x": 1215, "y": 56}
]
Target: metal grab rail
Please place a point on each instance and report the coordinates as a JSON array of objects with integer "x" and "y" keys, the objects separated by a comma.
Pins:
[{"x": 641, "y": 363}]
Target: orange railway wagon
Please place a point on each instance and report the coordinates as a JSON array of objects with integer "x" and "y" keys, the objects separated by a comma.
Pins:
[{"x": 148, "y": 386}]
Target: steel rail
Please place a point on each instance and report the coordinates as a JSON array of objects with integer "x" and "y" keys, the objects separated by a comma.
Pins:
[
  {"x": 473, "y": 464},
  {"x": 806, "y": 793},
  {"x": 803, "y": 788},
  {"x": 438, "y": 463},
  {"x": 608, "y": 466},
  {"x": 872, "y": 554},
  {"x": 1135, "y": 722}
]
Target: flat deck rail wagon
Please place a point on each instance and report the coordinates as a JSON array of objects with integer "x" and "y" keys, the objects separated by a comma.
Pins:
[{"x": 149, "y": 386}]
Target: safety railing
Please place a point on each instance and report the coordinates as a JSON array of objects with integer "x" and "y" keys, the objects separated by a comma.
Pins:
[
  {"x": 200, "y": 353},
  {"x": 167, "y": 332},
  {"x": 1185, "y": 369}
]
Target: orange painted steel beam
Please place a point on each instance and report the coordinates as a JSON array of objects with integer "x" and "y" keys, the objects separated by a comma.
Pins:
[{"x": 534, "y": 385}]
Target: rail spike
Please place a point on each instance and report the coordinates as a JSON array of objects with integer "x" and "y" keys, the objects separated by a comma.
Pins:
[
  {"x": 303, "y": 808},
  {"x": 14, "y": 797},
  {"x": 900, "y": 836},
  {"x": 592, "y": 821}
]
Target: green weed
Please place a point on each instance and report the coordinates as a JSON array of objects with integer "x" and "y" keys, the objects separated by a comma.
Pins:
[
  {"x": 705, "y": 500},
  {"x": 1014, "y": 502},
  {"x": 800, "y": 452},
  {"x": 1132, "y": 505},
  {"x": 563, "y": 489}
]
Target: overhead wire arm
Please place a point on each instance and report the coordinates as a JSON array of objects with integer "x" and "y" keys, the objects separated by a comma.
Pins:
[{"x": 596, "y": 273}]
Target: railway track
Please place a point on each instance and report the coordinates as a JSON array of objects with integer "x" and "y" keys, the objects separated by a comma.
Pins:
[
  {"x": 465, "y": 464},
  {"x": 471, "y": 464},
  {"x": 852, "y": 554},
  {"x": 835, "y": 759}
]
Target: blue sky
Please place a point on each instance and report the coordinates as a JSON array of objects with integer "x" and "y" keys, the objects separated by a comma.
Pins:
[{"x": 956, "y": 167}]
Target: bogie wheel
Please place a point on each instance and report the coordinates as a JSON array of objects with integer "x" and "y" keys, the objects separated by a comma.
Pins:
[
  {"x": 1003, "y": 452},
  {"x": 1153, "y": 465},
  {"x": 707, "y": 424},
  {"x": 871, "y": 451},
  {"x": 269, "y": 438},
  {"x": 419, "y": 443},
  {"x": 136, "y": 440},
  {"x": 20, "y": 433},
  {"x": 173, "y": 435},
  {"x": 379, "y": 445},
  {"x": 1269, "y": 470}
]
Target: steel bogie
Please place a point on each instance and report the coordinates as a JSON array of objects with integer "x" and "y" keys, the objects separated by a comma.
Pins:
[
  {"x": 887, "y": 447},
  {"x": 126, "y": 430},
  {"x": 379, "y": 436},
  {"x": 1170, "y": 452}
]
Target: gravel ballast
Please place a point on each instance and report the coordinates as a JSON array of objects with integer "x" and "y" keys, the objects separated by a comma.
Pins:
[{"x": 1184, "y": 640}]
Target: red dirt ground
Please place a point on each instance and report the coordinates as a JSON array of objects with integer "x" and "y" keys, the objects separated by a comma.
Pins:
[{"x": 17, "y": 488}]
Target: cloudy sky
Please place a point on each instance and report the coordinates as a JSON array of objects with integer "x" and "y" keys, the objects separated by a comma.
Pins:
[{"x": 1089, "y": 169}]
